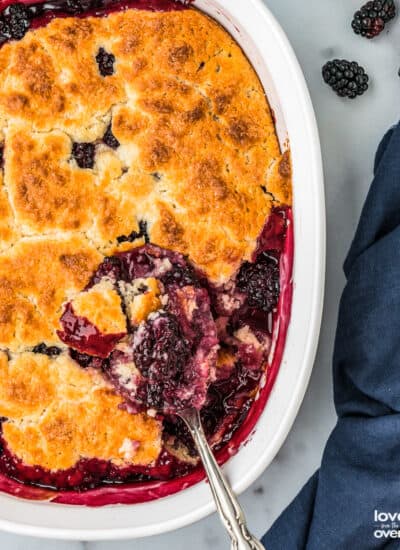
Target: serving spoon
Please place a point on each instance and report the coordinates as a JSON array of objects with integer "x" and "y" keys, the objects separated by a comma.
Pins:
[{"x": 228, "y": 507}]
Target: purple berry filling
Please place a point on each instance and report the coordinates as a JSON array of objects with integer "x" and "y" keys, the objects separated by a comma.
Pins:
[
  {"x": 109, "y": 138},
  {"x": 84, "y": 154},
  {"x": 259, "y": 281},
  {"x": 169, "y": 267},
  {"x": 174, "y": 356}
]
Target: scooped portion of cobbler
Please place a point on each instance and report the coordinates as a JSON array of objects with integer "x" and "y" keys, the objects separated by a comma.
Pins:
[{"x": 147, "y": 316}]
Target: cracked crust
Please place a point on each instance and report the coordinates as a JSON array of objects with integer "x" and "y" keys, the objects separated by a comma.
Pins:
[{"x": 198, "y": 160}]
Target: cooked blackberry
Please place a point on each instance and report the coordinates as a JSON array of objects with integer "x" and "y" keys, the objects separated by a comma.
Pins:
[
  {"x": 79, "y": 6},
  {"x": 161, "y": 353},
  {"x": 105, "y": 62},
  {"x": 370, "y": 20},
  {"x": 161, "y": 347},
  {"x": 178, "y": 276},
  {"x": 346, "y": 78},
  {"x": 18, "y": 20},
  {"x": 143, "y": 231},
  {"x": 260, "y": 282},
  {"x": 86, "y": 361},
  {"x": 51, "y": 351},
  {"x": 5, "y": 33},
  {"x": 84, "y": 153},
  {"x": 109, "y": 138},
  {"x": 134, "y": 235},
  {"x": 111, "y": 267}
]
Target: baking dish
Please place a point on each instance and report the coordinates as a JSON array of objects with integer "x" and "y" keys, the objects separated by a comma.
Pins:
[{"x": 264, "y": 43}]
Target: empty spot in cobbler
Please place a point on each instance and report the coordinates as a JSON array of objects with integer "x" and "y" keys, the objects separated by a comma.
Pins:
[
  {"x": 84, "y": 154},
  {"x": 1, "y": 155},
  {"x": 109, "y": 138},
  {"x": 263, "y": 189},
  {"x": 142, "y": 233},
  {"x": 51, "y": 351},
  {"x": 156, "y": 176},
  {"x": 201, "y": 66},
  {"x": 105, "y": 61},
  {"x": 218, "y": 69}
]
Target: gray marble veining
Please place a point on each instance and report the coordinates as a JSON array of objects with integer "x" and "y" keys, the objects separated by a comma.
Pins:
[{"x": 350, "y": 131}]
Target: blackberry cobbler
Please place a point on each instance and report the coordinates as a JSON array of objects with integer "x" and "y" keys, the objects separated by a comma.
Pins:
[{"x": 145, "y": 247}]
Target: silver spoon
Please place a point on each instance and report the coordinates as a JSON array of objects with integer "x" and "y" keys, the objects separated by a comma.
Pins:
[{"x": 228, "y": 506}]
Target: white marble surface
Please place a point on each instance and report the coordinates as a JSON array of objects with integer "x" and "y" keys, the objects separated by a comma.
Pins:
[{"x": 350, "y": 131}]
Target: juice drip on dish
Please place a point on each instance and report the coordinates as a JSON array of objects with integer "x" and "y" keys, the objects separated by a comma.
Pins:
[{"x": 232, "y": 411}]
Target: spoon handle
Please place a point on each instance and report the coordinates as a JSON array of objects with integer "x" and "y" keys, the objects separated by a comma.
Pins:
[{"x": 228, "y": 506}]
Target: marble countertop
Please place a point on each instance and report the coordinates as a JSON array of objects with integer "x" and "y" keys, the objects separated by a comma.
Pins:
[{"x": 350, "y": 131}]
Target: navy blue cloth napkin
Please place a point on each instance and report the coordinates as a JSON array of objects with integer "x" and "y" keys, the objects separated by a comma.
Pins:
[{"x": 353, "y": 501}]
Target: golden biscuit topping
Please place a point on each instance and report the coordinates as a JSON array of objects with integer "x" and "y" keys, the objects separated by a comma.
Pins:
[
  {"x": 62, "y": 413},
  {"x": 142, "y": 299},
  {"x": 101, "y": 305}
]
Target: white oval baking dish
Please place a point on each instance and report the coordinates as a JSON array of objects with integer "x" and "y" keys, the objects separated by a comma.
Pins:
[{"x": 261, "y": 37}]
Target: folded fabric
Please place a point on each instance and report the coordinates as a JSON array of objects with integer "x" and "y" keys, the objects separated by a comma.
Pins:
[{"x": 353, "y": 501}]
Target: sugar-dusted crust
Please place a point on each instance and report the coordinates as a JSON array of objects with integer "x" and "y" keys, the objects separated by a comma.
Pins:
[{"x": 198, "y": 160}]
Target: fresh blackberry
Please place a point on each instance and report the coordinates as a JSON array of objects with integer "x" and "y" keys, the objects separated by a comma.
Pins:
[
  {"x": 84, "y": 153},
  {"x": 346, "y": 78},
  {"x": 370, "y": 20},
  {"x": 109, "y": 138},
  {"x": 105, "y": 62}
]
